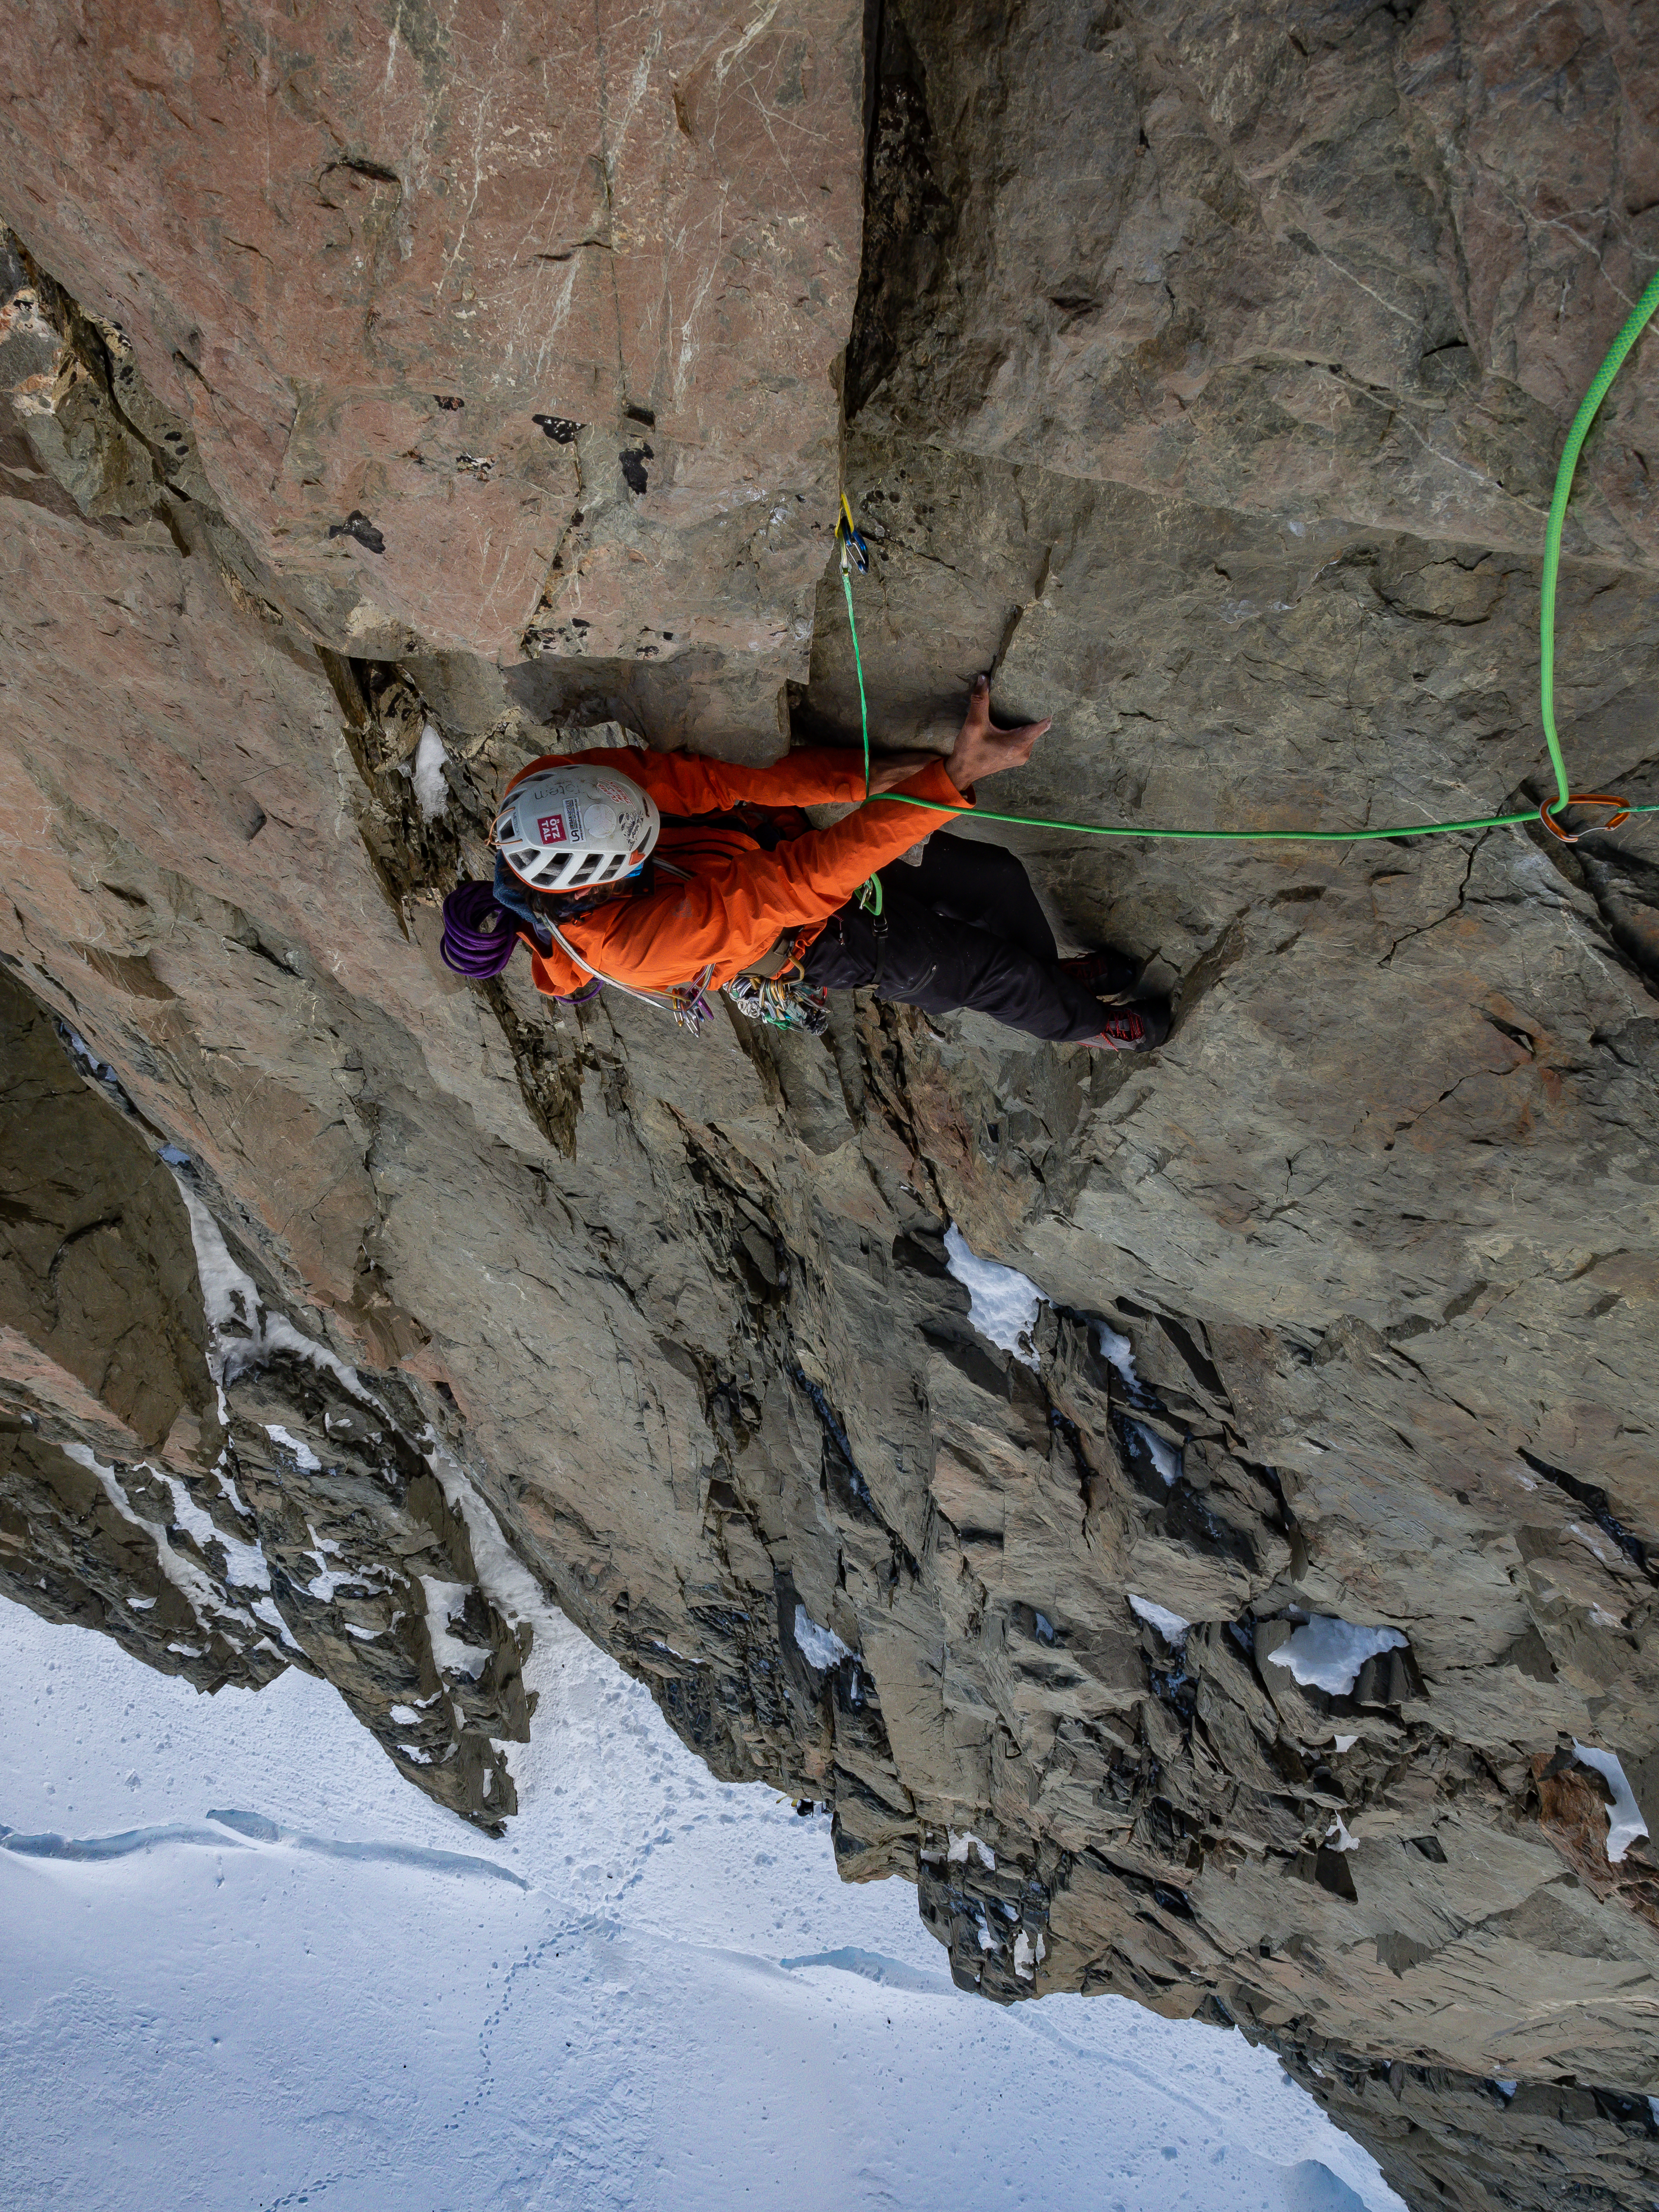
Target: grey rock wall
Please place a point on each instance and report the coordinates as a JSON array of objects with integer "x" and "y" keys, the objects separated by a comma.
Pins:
[{"x": 1205, "y": 381}]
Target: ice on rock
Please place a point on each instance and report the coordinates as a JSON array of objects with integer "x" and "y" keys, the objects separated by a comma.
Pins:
[
  {"x": 431, "y": 791},
  {"x": 1117, "y": 1351},
  {"x": 100, "y": 1070},
  {"x": 1004, "y": 1306},
  {"x": 1164, "y": 1455},
  {"x": 1326, "y": 1654}
]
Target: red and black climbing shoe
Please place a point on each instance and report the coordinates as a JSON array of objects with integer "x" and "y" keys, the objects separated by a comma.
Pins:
[
  {"x": 1140, "y": 1028},
  {"x": 1109, "y": 974}
]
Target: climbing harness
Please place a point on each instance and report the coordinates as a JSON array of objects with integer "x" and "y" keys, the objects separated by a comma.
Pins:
[
  {"x": 853, "y": 552},
  {"x": 687, "y": 1003}
]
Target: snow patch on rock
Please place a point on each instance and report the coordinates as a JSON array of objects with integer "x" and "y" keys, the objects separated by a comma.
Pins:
[
  {"x": 1003, "y": 1304},
  {"x": 502, "y": 1575},
  {"x": 444, "y": 1600},
  {"x": 304, "y": 1456},
  {"x": 961, "y": 1844},
  {"x": 1624, "y": 1821},
  {"x": 1165, "y": 1456},
  {"x": 1326, "y": 1654},
  {"x": 243, "y": 1334},
  {"x": 821, "y": 1647},
  {"x": 1169, "y": 1625},
  {"x": 1117, "y": 1351},
  {"x": 245, "y": 1564}
]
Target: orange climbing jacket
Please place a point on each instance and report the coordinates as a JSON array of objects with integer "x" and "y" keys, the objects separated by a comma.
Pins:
[{"x": 738, "y": 900}]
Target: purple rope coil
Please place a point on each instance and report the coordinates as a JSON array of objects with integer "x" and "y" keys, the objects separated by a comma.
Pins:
[{"x": 480, "y": 935}]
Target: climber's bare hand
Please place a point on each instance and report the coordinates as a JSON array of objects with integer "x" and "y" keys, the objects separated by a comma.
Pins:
[{"x": 982, "y": 751}]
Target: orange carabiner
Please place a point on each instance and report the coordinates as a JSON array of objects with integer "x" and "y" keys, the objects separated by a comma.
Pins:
[{"x": 1620, "y": 814}]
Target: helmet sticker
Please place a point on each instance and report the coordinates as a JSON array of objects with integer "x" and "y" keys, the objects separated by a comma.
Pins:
[{"x": 550, "y": 829}]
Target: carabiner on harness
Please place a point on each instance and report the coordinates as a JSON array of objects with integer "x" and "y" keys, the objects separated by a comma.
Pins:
[{"x": 782, "y": 1002}]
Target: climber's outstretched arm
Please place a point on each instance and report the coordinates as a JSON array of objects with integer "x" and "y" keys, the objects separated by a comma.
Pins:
[{"x": 687, "y": 783}]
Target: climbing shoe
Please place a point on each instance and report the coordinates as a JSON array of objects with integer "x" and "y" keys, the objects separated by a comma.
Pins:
[
  {"x": 1140, "y": 1028},
  {"x": 1108, "y": 973}
]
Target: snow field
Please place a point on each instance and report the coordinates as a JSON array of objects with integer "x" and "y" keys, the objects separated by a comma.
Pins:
[{"x": 669, "y": 2004}]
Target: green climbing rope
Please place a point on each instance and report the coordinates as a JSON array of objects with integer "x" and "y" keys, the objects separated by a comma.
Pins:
[{"x": 1635, "y": 324}]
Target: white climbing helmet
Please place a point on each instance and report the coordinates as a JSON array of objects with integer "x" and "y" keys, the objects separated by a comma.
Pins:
[{"x": 572, "y": 828}]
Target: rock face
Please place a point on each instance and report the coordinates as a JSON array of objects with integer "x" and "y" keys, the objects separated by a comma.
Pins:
[
  {"x": 1206, "y": 378},
  {"x": 187, "y": 1471},
  {"x": 562, "y": 290}
]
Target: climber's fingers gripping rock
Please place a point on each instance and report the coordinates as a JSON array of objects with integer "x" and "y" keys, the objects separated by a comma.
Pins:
[{"x": 980, "y": 749}]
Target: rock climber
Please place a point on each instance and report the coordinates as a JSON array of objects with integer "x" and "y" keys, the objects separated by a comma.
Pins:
[{"x": 669, "y": 876}]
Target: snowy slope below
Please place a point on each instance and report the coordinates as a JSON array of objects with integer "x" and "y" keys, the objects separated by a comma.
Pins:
[{"x": 671, "y": 2001}]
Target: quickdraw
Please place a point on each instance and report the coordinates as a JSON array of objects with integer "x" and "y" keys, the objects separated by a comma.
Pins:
[{"x": 782, "y": 1002}]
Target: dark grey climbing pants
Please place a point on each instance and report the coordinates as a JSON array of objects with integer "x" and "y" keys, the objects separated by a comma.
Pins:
[{"x": 965, "y": 929}]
